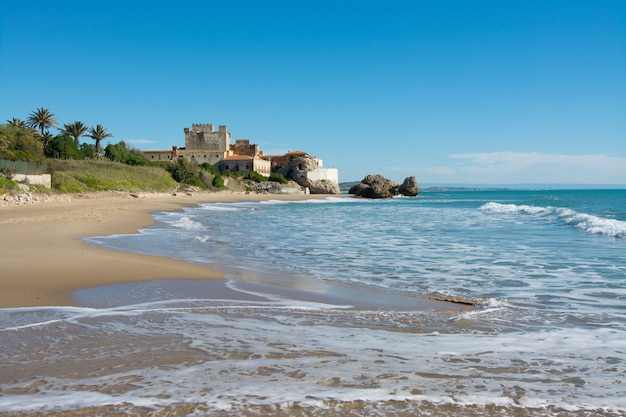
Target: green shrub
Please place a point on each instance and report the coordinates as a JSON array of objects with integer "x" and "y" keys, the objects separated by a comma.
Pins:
[
  {"x": 63, "y": 147},
  {"x": 276, "y": 177},
  {"x": 20, "y": 139},
  {"x": 7, "y": 185},
  {"x": 183, "y": 171},
  {"x": 218, "y": 181},
  {"x": 121, "y": 152},
  {"x": 210, "y": 168},
  {"x": 255, "y": 176},
  {"x": 88, "y": 150},
  {"x": 19, "y": 155}
]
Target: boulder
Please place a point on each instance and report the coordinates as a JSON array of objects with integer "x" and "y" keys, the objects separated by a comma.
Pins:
[
  {"x": 409, "y": 187},
  {"x": 377, "y": 186},
  {"x": 297, "y": 169},
  {"x": 270, "y": 187},
  {"x": 320, "y": 187}
]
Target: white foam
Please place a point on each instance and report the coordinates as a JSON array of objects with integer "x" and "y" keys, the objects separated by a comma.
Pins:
[
  {"x": 586, "y": 222},
  {"x": 514, "y": 208},
  {"x": 281, "y": 300},
  {"x": 221, "y": 206},
  {"x": 594, "y": 224},
  {"x": 275, "y": 356},
  {"x": 187, "y": 224}
]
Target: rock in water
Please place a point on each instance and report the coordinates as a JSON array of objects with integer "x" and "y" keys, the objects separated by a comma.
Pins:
[
  {"x": 409, "y": 187},
  {"x": 377, "y": 186}
]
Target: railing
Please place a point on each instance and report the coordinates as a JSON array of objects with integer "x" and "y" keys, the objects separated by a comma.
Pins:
[{"x": 23, "y": 167}]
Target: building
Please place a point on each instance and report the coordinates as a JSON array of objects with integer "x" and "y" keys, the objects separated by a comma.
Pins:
[
  {"x": 167, "y": 155},
  {"x": 312, "y": 169},
  {"x": 303, "y": 165},
  {"x": 204, "y": 144},
  {"x": 243, "y": 147},
  {"x": 245, "y": 163},
  {"x": 280, "y": 160}
]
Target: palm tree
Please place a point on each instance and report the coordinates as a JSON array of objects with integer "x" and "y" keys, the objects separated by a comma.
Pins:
[
  {"x": 42, "y": 119},
  {"x": 16, "y": 122},
  {"x": 98, "y": 133},
  {"x": 46, "y": 138},
  {"x": 75, "y": 130}
]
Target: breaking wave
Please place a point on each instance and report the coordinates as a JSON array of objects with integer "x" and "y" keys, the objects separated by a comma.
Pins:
[{"x": 585, "y": 222}]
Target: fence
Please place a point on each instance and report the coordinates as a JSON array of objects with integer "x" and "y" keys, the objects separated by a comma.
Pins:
[{"x": 22, "y": 167}]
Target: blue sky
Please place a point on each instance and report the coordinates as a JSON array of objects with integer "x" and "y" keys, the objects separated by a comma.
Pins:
[{"x": 450, "y": 91}]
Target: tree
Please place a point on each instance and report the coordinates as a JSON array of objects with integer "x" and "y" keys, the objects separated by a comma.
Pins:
[
  {"x": 20, "y": 144},
  {"x": 16, "y": 122},
  {"x": 183, "y": 171},
  {"x": 75, "y": 130},
  {"x": 63, "y": 147},
  {"x": 98, "y": 133},
  {"x": 121, "y": 152},
  {"x": 46, "y": 138},
  {"x": 41, "y": 119},
  {"x": 88, "y": 150}
]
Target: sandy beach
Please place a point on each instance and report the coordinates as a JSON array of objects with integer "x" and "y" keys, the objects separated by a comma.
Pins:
[{"x": 44, "y": 260}]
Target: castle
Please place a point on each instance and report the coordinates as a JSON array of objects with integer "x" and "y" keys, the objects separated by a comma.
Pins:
[{"x": 204, "y": 144}]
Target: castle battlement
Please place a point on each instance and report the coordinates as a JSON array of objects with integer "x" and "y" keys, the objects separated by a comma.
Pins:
[
  {"x": 202, "y": 136},
  {"x": 204, "y": 127}
]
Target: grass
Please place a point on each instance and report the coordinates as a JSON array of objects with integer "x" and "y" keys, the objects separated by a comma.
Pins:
[
  {"x": 72, "y": 176},
  {"x": 7, "y": 185}
]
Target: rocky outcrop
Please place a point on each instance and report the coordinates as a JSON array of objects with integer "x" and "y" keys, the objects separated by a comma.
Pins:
[
  {"x": 320, "y": 187},
  {"x": 297, "y": 169},
  {"x": 266, "y": 187},
  {"x": 409, "y": 187},
  {"x": 377, "y": 186}
]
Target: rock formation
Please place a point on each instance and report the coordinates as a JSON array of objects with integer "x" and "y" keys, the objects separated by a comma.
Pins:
[
  {"x": 377, "y": 186},
  {"x": 409, "y": 187},
  {"x": 297, "y": 170},
  {"x": 267, "y": 187}
]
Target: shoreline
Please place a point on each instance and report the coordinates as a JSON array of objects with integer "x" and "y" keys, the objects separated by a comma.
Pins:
[{"x": 44, "y": 260}]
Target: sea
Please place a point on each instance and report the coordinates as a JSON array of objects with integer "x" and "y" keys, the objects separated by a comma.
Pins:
[{"x": 503, "y": 302}]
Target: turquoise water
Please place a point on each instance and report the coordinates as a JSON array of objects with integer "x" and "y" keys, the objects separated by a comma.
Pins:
[{"x": 546, "y": 269}]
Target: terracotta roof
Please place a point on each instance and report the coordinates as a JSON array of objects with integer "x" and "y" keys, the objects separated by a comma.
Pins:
[{"x": 238, "y": 158}]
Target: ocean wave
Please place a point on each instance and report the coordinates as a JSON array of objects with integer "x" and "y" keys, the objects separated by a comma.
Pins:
[
  {"x": 594, "y": 224},
  {"x": 186, "y": 223},
  {"x": 585, "y": 222},
  {"x": 221, "y": 207},
  {"x": 514, "y": 208}
]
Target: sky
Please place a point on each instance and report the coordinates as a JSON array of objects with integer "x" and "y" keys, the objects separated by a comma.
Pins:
[{"x": 448, "y": 91}]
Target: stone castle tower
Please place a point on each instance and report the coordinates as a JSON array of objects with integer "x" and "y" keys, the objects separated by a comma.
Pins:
[{"x": 204, "y": 137}]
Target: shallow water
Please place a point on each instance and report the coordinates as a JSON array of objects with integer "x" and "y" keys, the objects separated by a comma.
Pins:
[{"x": 327, "y": 325}]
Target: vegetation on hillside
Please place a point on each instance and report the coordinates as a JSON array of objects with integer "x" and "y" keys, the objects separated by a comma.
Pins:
[
  {"x": 74, "y": 176},
  {"x": 84, "y": 167}
]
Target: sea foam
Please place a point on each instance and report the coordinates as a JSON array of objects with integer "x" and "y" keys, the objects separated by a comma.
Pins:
[{"x": 586, "y": 222}]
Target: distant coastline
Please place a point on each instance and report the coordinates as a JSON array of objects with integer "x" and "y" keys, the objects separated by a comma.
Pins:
[{"x": 437, "y": 187}]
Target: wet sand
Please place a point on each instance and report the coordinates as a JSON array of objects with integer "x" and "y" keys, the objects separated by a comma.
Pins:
[{"x": 44, "y": 261}]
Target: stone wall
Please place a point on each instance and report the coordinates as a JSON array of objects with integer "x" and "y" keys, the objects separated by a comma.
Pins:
[
  {"x": 43, "y": 179},
  {"x": 328, "y": 174}
]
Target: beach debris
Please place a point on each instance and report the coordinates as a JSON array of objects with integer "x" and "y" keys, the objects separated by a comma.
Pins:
[{"x": 455, "y": 299}]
